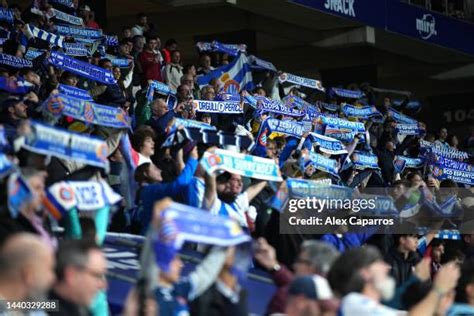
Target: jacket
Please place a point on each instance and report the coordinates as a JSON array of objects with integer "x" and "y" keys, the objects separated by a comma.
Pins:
[{"x": 402, "y": 268}]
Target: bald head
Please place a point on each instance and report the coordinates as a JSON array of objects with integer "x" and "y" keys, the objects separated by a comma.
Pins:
[{"x": 28, "y": 263}]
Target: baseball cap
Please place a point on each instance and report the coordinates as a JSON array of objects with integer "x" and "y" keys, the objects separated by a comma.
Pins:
[{"x": 313, "y": 287}]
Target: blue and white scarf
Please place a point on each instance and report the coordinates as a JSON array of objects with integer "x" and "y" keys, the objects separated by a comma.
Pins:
[
  {"x": 6, "y": 166},
  {"x": 342, "y": 124},
  {"x": 66, "y": 3},
  {"x": 194, "y": 124},
  {"x": 290, "y": 128},
  {"x": 244, "y": 165},
  {"x": 111, "y": 40},
  {"x": 268, "y": 105},
  {"x": 83, "y": 195},
  {"x": 293, "y": 101},
  {"x": 75, "y": 92},
  {"x": 231, "y": 49},
  {"x": 444, "y": 168},
  {"x": 328, "y": 145},
  {"x": 221, "y": 107},
  {"x": 118, "y": 62},
  {"x": 32, "y": 53},
  {"x": 260, "y": 64},
  {"x": 409, "y": 129},
  {"x": 343, "y": 135},
  {"x": 312, "y": 113},
  {"x": 320, "y": 163},
  {"x": 19, "y": 193},
  {"x": 251, "y": 100},
  {"x": 71, "y": 19},
  {"x": 51, "y": 141},
  {"x": 86, "y": 111},
  {"x": 181, "y": 223},
  {"x": 159, "y": 87},
  {"x": 6, "y": 15},
  {"x": 302, "y": 81},
  {"x": 15, "y": 86},
  {"x": 451, "y": 153},
  {"x": 328, "y": 106},
  {"x": 400, "y": 117},
  {"x": 411, "y": 105},
  {"x": 76, "y": 49},
  {"x": 365, "y": 112},
  {"x": 53, "y": 39},
  {"x": 81, "y": 68},
  {"x": 445, "y": 209},
  {"x": 308, "y": 188},
  {"x": 383, "y": 206},
  {"x": 345, "y": 93},
  {"x": 401, "y": 163},
  {"x": 79, "y": 32},
  {"x": 15, "y": 62},
  {"x": 364, "y": 160}
]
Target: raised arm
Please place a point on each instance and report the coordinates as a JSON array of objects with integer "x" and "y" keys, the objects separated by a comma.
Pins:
[{"x": 255, "y": 189}]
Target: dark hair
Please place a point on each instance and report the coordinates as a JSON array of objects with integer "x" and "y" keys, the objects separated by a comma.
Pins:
[
  {"x": 66, "y": 76},
  {"x": 405, "y": 183},
  {"x": 73, "y": 253},
  {"x": 141, "y": 15},
  {"x": 448, "y": 183},
  {"x": 187, "y": 67},
  {"x": 344, "y": 276},
  {"x": 141, "y": 173},
  {"x": 396, "y": 238},
  {"x": 412, "y": 174},
  {"x": 170, "y": 42},
  {"x": 140, "y": 135},
  {"x": 103, "y": 61},
  {"x": 467, "y": 277}
]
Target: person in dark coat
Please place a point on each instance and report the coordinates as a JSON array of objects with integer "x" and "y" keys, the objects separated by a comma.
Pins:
[{"x": 403, "y": 257}]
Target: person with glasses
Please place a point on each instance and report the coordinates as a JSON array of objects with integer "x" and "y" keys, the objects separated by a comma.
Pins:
[{"x": 80, "y": 272}]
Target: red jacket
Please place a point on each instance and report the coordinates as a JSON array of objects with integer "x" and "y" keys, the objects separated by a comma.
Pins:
[{"x": 151, "y": 68}]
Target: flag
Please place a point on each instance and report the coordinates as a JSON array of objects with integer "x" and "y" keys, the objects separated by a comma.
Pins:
[{"x": 233, "y": 77}]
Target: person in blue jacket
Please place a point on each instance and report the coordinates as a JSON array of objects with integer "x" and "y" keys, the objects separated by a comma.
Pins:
[{"x": 151, "y": 193}]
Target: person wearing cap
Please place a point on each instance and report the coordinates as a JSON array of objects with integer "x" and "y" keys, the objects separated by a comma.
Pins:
[{"x": 310, "y": 295}]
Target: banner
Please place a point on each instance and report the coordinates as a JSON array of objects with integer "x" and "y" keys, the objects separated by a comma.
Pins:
[
  {"x": 19, "y": 194},
  {"x": 181, "y": 223},
  {"x": 111, "y": 40},
  {"x": 293, "y": 101},
  {"x": 401, "y": 118},
  {"x": 320, "y": 163},
  {"x": 427, "y": 147},
  {"x": 15, "y": 62},
  {"x": 328, "y": 145},
  {"x": 344, "y": 93},
  {"x": 194, "y": 124},
  {"x": 303, "y": 188},
  {"x": 364, "y": 160},
  {"x": 343, "y": 125},
  {"x": 365, "y": 112},
  {"x": 444, "y": 168},
  {"x": 71, "y": 19},
  {"x": 305, "y": 82},
  {"x": 75, "y": 32},
  {"x": 81, "y": 68},
  {"x": 15, "y": 86},
  {"x": 63, "y": 196},
  {"x": 74, "y": 92},
  {"x": 261, "y": 64},
  {"x": 159, "y": 87},
  {"x": 53, "y": 39},
  {"x": 230, "y": 49},
  {"x": 51, "y": 141},
  {"x": 86, "y": 111},
  {"x": 118, "y": 62},
  {"x": 245, "y": 165},
  {"x": 274, "y": 106},
  {"x": 218, "y": 107}
]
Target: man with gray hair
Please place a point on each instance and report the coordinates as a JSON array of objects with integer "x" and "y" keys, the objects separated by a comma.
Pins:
[
  {"x": 81, "y": 268},
  {"x": 26, "y": 269},
  {"x": 315, "y": 258}
]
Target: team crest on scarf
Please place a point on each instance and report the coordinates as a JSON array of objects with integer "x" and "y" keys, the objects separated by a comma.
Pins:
[
  {"x": 437, "y": 172},
  {"x": 55, "y": 106},
  {"x": 88, "y": 112},
  {"x": 66, "y": 193},
  {"x": 262, "y": 140},
  {"x": 230, "y": 86},
  {"x": 214, "y": 160},
  {"x": 102, "y": 152}
]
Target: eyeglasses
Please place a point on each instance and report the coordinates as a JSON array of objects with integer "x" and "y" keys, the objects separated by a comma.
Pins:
[{"x": 98, "y": 275}]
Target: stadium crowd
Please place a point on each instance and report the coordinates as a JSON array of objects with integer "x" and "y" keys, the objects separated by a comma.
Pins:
[{"x": 97, "y": 128}]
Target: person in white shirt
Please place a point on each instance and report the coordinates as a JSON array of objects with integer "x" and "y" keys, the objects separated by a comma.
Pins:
[
  {"x": 141, "y": 26},
  {"x": 223, "y": 196},
  {"x": 441, "y": 141},
  {"x": 174, "y": 71}
]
